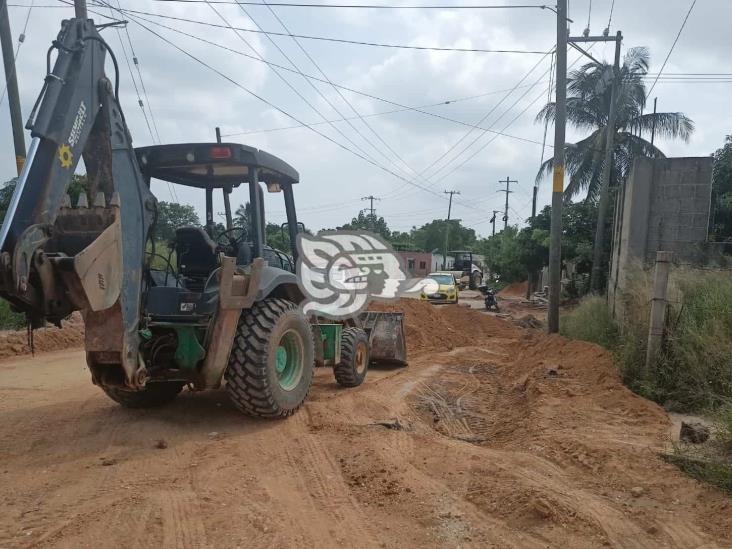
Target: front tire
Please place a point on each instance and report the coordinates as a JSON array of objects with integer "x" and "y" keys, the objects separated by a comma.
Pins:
[
  {"x": 155, "y": 393},
  {"x": 272, "y": 360},
  {"x": 351, "y": 370}
]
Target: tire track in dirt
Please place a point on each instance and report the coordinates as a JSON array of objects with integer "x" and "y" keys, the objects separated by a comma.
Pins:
[
  {"x": 182, "y": 524},
  {"x": 323, "y": 482}
]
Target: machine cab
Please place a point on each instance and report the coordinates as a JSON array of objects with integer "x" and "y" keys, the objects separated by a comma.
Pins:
[
  {"x": 463, "y": 260},
  {"x": 181, "y": 283}
]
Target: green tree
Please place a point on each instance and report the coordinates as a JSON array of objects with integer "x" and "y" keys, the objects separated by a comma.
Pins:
[
  {"x": 578, "y": 232},
  {"x": 368, "y": 222},
  {"x": 77, "y": 185},
  {"x": 171, "y": 216},
  {"x": 588, "y": 108},
  {"x": 513, "y": 252},
  {"x": 6, "y": 194},
  {"x": 431, "y": 236},
  {"x": 278, "y": 237},
  {"x": 721, "y": 224},
  {"x": 243, "y": 215}
]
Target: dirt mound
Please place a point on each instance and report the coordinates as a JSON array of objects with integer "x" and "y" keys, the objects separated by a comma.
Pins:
[
  {"x": 439, "y": 328},
  {"x": 517, "y": 289},
  {"x": 15, "y": 343}
]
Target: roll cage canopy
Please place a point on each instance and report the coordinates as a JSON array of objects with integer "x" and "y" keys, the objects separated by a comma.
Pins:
[{"x": 213, "y": 165}]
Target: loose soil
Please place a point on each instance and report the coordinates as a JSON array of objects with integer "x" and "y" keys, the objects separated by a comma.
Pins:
[
  {"x": 70, "y": 336},
  {"x": 516, "y": 289},
  {"x": 494, "y": 436}
]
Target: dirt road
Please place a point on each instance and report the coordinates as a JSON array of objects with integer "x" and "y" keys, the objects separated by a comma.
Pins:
[{"x": 521, "y": 440}]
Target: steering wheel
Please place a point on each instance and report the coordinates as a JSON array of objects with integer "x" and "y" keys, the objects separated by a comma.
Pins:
[{"x": 232, "y": 237}]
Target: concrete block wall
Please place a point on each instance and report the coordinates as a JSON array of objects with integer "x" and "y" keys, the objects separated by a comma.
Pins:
[{"x": 664, "y": 205}]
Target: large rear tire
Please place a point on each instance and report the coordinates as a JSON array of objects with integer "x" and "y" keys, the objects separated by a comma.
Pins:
[
  {"x": 155, "y": 393},
  {"x": 475, "y": 280},
  {"x": 351, "y": 370},
  {"x": 271, "y": 363}
]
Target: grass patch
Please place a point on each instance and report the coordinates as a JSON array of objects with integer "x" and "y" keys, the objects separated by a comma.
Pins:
[
  {"x": 591, "y": 321},
  {"x": 693, "y": 372},
  {"x": 723, "y": 428},
  {"x": 710, "y": 462},
  {"x": 695, "y": 368},
  {"x": 710, "y": 470},
  {"x": 10, "y": 320}
]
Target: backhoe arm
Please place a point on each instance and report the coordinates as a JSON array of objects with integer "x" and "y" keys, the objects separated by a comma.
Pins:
[{"x": 56, "y": 258}]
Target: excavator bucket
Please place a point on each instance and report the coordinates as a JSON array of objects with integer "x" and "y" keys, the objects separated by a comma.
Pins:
[{"x": 386, "y": 337}]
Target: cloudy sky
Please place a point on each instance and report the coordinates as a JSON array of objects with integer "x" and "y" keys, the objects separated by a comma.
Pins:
[{"x": 188, "y": 100}]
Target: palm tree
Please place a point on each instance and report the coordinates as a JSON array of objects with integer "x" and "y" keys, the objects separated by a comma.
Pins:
[{"x": 588, "y": 107}]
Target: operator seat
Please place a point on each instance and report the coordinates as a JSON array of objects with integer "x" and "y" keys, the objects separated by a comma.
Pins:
[{"x": 197, "y": 256}]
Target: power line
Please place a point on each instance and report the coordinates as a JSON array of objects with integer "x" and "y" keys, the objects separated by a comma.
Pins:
[
  {"x": 279, "y": 109},
  {"x": 678, "y": 34},
  {"x": 380, "y": 113},
  {"x": 340, "y": 94},
  {"x": 287, "y": 114},
  {"x": 171, "y": 189},
  {"x": 311, "y": 77},
  {"x": 288, "y": 83},
  {"x": 362, "y": 155},
  {"x": 345, "y": 100},
  {"x": 464, "y": 136},
  {"x": 200, "y": 61},
  {"x": 142, "y": 81},
  {"x": 21, "y": 39},
  {"x": 329, "y": 39},
  {"x": 370, "y": 6},
  {"x": 480, "y": 135},
  {"x": 134, "y": 83},
  {"x": 546, "y": 128},
  {"x": 475, "y": 153}
]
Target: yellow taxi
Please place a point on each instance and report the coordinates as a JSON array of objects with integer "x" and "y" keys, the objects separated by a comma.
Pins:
[{"x": 447, "y": 290}]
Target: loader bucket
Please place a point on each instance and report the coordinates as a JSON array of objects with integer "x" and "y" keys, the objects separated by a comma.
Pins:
[{"x": 386, "y": 337}]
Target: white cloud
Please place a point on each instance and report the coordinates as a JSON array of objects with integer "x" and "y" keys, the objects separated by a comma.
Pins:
[{"x": 189, "y": 100}]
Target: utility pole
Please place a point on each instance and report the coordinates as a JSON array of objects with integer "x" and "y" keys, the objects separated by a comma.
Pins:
[
  {"x": 598, "y": 247},
  {"x": 653, "y": 126},
  {"x": 555, "y": 242},
  {"x": 507, "y": 190},
  {"x": 372, "y": 210},
  {"x": 493, "y": 221},
  {"x": 16, "y": 119},
  {"x": 447, "y": 227},
  {"x": 371, "y": 199},
  {"x": 80, "y": 9}
]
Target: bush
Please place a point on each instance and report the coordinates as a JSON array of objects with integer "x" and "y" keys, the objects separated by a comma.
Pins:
[
  {"x": 723, "y": 427},
  {"x": 10, "y": 320},
  {"x": 710, "y": 462},
  {"x": 695, "y": 368},
  {"x": 591, "y": 321},
  {"x": 697, "y": 464}
]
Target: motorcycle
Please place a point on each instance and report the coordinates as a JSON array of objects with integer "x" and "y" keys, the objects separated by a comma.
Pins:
[{"x": 490, "y": 300}]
